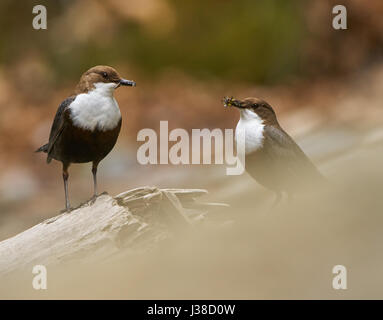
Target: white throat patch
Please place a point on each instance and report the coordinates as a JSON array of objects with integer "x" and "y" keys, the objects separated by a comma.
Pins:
[
  {"x": 96, "y": 109},
  {"x": 253, "y": 126}
]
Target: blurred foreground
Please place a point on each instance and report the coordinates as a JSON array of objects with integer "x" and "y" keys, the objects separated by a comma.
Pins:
[{"x": 260, "y": 253}]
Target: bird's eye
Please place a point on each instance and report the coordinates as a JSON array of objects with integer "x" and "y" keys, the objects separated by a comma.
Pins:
[
  {"x": 105, "y": 75},
  {"x": 256, "y": 106}
]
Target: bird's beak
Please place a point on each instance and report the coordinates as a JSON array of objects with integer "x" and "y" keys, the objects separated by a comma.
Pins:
[
  {"x": 124, "y": 82},
  {"x": 231, "y": 102}
]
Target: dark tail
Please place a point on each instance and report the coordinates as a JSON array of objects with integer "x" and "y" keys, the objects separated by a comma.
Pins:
[{"x": 44, "y": 148}]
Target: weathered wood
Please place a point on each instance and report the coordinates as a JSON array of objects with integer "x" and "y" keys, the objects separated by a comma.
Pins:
[{"x": 133, "y": 220}]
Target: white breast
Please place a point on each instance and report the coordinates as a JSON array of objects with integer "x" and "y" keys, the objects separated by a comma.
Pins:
[
  {"x": 253, "y": 126},
  {"x": 96, "y": 109}
]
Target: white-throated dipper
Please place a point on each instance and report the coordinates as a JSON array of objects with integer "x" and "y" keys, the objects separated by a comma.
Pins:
[
  {"x": 272, "y": 158},
  {"x": 87, "y": 124}
]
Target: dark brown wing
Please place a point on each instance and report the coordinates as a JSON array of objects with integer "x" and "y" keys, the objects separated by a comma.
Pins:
[
  {"x": 58, "y": 125},
  {"x": 289, "y": 157}
]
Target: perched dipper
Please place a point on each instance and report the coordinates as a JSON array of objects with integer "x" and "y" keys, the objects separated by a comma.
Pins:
[
  {"x": 272, "y": 157},
  {"x": 87, "y": 124}
]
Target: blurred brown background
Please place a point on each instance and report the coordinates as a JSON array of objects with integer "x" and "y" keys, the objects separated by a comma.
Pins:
[{"x": 325, "y": 85}]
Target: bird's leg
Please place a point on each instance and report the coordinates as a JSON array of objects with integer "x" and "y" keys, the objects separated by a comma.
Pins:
[
  {"x": 94, "y": 172},
  {"x": 65, "y": 177}
]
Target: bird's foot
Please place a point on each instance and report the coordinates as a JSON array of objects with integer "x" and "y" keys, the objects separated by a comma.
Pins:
[
  {"x": 93, "y": 199},
  {"x": 67, "y": 210}
]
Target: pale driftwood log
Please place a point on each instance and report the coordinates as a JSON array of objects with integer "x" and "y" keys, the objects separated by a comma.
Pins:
[{"x": 135, "y": 220}]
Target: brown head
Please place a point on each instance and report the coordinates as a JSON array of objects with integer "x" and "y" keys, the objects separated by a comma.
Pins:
[
  {"x": 101, "y": 75},
  {"x": 255, "y": 106}
]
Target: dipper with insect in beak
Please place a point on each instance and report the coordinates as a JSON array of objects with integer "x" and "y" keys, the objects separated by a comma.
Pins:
[
  {"x": 87, "y": 124},
  {"x": 273, "y": 159}
]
